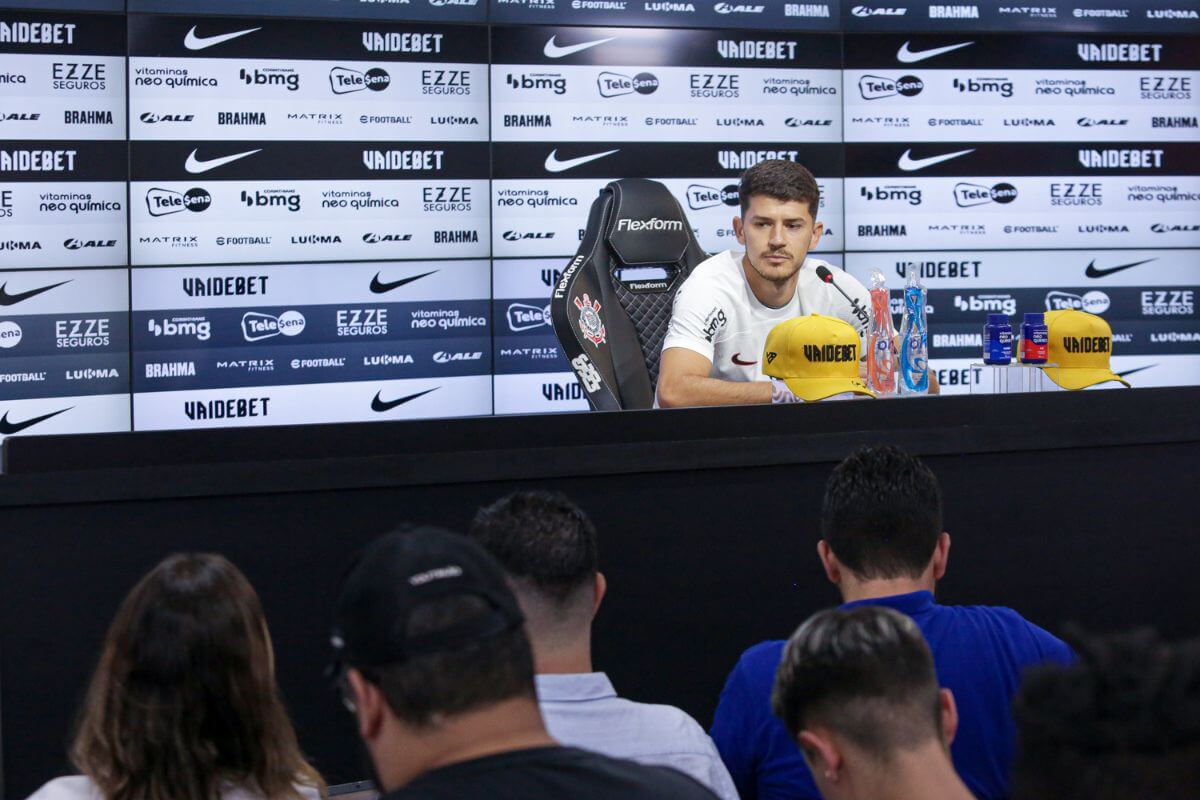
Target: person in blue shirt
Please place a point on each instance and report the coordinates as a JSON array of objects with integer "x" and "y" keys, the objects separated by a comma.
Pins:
[
  {"x": 883, "y": 544},
  {"x": 858, "y": 693}
]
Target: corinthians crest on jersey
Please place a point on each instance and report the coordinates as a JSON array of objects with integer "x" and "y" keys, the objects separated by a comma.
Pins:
[{"x": 590, "y": 323}]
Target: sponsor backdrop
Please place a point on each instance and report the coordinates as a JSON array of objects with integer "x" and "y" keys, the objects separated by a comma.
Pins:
[{"x": 288, "y": 211}]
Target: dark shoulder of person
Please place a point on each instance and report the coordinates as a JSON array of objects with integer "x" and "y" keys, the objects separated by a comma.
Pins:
[{"x": 551, "y": 773}]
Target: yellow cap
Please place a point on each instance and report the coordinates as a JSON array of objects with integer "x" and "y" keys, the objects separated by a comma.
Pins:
[
  {"x": 1080, "y": 344},
  {"x": 816, "y": 356}
]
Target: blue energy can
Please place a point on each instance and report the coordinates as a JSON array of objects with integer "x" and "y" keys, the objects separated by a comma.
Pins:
[{"x": 997, "y": 340}]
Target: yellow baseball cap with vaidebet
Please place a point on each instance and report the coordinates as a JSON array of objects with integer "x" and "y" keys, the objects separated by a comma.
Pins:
[
  {"x": 816, "y": 356},
  {"x": 1080, "y": 345}
]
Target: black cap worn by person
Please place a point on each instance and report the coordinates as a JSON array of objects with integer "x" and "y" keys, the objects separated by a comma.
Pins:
[{"x": 397, "y": 573}]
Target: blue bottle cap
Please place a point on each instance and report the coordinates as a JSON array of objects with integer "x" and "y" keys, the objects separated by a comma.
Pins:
[
  {"x": 1035, "y": 319},
  {"x": 998, "y": 319}
]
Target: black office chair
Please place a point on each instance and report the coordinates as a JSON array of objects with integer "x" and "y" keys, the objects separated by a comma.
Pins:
[{"x": 611, "y": 307}]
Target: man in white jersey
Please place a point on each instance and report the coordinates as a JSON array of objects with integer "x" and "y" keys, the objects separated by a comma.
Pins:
[{"x": 728, "y": 305}]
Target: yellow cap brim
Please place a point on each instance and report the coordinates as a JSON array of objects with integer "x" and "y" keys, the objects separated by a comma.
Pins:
[
  {"x": 1076, "y": 378},
  {"x": 812, "y": 389}
]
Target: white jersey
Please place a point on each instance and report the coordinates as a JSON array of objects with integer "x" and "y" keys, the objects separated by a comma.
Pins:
[{"x": 717, "y": 315}]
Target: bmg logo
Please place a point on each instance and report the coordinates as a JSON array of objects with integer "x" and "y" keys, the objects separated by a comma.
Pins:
[{"x": 273, "y": 76}]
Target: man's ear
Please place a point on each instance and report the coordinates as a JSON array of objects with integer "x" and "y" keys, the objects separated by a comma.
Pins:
[
  {"x": 818, "y": 229},
  {"x": 948, "y": 710},
  {"x": 601, "y": 588},
  {"x": 369, "y": 704},
  {"x": 739, "y": 230},
  {"x": 941, "y": 556},
  {"x": 819, "y": 751},
  {"x": 833, "y": 568}
]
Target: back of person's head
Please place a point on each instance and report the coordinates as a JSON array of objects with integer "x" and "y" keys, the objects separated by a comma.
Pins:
[
  {"x": 882, "y": 514},
  {"x": 781, "y": 180},
  {"x": 1122, "y": 722},
  {"x": 183, "y": 703},
  {"x": 547, "y": 546},
  {"x": 866, "y": 675},
  {"x": 426, "y": 616}
]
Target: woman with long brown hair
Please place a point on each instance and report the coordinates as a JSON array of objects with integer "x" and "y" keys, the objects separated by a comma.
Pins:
[{"x": 183, "y": 704}]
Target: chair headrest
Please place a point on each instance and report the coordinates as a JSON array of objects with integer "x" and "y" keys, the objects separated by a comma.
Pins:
[{"x": 647, "y": 225}]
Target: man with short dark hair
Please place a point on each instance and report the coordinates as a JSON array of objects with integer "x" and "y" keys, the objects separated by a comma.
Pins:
[
  {"x": 857, "y": 692},
  {"x": 883, "y": 545},
  {"x": 547, "y": 546},
  {"x": 1122, "y": 722},
  {"x": 432, "y": 659},
  {"x": 713, "y": 348}
]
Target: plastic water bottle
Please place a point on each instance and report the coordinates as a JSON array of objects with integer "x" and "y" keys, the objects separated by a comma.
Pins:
[
  {"x": 914, "y": 339},
  {"x": 881, "y": 355}
]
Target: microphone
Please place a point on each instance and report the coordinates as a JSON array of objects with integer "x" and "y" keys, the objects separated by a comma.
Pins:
[{"x": 860, "y": 312}]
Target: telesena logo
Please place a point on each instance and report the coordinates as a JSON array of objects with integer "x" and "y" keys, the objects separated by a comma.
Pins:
[
  {"x": 614, "y": 84},
  {"x": 892, "y": 193},
  {"x": 538, "y": 82},
  {"x": 1093, "y": 302},
  {"x": 343, "y": 80},
  {"x": 874, "y": 87},
  {"x": 700, "y": 197},
  {"x": 257, "y": 326},
  {"x": 161, "y": 202},
  {"x": 970, "y": 194}
]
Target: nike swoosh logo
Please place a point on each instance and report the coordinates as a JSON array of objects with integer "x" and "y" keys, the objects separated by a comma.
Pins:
[
  {"x": 194, "y": 42},
  {"x": 741, "y": 363},
  {"x": 910, "y": 164},
  {"x": 1135, "y": 369},
  {"x": 7, "y": 299},
  {"x": 906, "y": 56},
  {"x": 1093, "y": 271},
  {"x": 196, "y": 166},
  {"x": 379, "y": 287},
  {"x": 7, "y": 428},
  {"x": 551, "y": 50},
  {"x": 554, "y": 165},
  {"x": 387, "y": 405}
]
